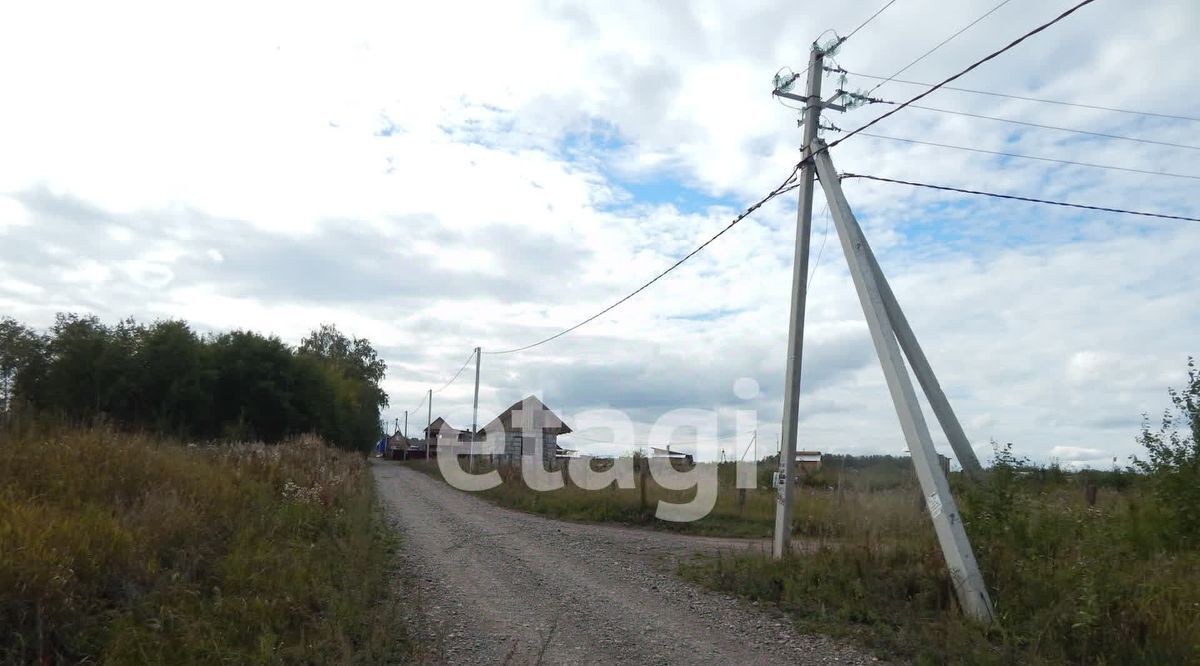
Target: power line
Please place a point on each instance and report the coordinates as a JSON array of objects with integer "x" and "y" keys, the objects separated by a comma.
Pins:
[
  {"x": 970, "y": 68},
  {"x": 1038, "y": 125},
  {"x": 940, "y": 45},
  {"x": 425, "y": 395},
  {"x": 787, "y": 186},
  {"x": 464, "y": 367},
  {"x": 1021, "y": 198},
  {"x": 1031, "y": 157},
  {"x": 1025, "y": 98},
  {"x": 821, "y": 251},
  {"x": 869, "y": 19},
  {"x": 783, "y": 188}
]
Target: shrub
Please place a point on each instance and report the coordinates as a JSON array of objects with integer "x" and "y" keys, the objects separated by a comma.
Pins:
[{"x": 1173, "y": 459}]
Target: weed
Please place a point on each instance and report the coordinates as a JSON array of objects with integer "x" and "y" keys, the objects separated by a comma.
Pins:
[{"x": 125, "y": 548}]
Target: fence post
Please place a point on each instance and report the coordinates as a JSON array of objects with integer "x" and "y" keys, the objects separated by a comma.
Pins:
[{"x": 643, "y": 482}]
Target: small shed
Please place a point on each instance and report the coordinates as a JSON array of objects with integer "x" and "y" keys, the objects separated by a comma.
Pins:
[{"x": 808, "y": 462}]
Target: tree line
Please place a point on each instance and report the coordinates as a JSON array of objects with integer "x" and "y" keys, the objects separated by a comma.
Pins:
[{"x": 166, "y": 378}]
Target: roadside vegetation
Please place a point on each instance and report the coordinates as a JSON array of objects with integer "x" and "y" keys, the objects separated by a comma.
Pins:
[
  {"x": 1092, "y": 566},
  {"x": 126, "y": 548},
  {"x": 750, "y": 514},
  {"x": 167, "y": 379},
  {"x": 138, "y": 526},
  {"x": 1114, "y": 582}
]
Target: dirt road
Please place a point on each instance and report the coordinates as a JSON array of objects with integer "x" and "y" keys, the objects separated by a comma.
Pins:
[{"x": 497, "y": 586}]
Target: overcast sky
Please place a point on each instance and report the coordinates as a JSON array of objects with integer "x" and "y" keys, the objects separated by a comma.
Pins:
[{"x": 437, "y": 176}]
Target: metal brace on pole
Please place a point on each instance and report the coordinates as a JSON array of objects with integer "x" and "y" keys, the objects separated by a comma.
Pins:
[
  {"x": 943, "y": 510},
  {"x": 785, "y": 489}
]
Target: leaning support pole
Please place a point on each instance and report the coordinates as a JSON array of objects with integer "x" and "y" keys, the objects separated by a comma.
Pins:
[
  {"x": 943, "y": 511},
  {"x": 924, "y": 372}
]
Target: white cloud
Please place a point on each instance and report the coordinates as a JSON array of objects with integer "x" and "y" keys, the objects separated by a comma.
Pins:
[{"x": 443, "y": 176}]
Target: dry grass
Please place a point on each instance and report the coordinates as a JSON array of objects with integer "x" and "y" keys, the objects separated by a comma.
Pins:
[
  {"x": 128, "y": 549},
  {"x": 821, "y": 512},
  {"x": 1071, "y": 583}
]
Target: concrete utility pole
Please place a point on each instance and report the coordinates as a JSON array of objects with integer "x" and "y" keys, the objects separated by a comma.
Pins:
[
  {"x": 475, "y": 417},
  {"x": 871, "y": 286},
  {"x": 791, "y": 397},
  {"x": 429, "y": 424},
  {"x": 406, "y": 428},
  {"x": 475, "y": 406}
]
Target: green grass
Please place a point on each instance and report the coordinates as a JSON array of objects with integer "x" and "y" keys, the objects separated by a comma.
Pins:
[
  {"x": 1076, "y": 584},
  {"x": 753, "y": 519},
  {"x": 122, "y": 548},
  {"x": 1071, "y": 584},
  {"x": 736, "y": 514}
]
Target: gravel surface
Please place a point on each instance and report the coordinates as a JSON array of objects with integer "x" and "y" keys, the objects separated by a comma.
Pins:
[{"x": 491, "y": 586}]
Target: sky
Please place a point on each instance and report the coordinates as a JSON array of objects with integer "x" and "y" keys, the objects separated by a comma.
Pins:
[{"x": 440, "y": 176}]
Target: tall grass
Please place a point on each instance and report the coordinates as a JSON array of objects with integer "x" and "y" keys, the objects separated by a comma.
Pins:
[
  {"x": 752, "y": 517},
  {"x": 821, "y": 510},
  {"x": 128, "y": 549},
  {"x": 1071, "y": 582}
]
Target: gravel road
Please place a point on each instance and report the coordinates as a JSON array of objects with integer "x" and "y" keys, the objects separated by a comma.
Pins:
[{"x": 491, "y": 586}]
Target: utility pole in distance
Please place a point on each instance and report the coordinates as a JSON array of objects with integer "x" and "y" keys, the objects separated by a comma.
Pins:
[
  {"x": 406, "y": 428},
  {"x": 475, "y": 415},
  {"x": 429, "y": 425},
  {"x": 791, "y": 397}
]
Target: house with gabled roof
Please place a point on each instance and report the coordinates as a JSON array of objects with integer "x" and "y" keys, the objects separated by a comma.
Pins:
[{"x": 527, "y": 428}]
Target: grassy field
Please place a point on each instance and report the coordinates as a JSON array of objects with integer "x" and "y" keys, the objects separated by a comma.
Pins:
[
  {"x": 121, "y": 548},
  {"x": 752, "y": 517},
  {"x": 1072, "y": 583}
]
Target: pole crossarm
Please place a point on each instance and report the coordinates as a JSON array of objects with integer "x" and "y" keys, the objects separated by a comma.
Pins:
[{"x": 943, "y": 510}]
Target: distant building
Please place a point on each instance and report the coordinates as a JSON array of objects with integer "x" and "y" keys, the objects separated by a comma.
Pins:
[
  {"x": 526, "y": 428},
  {"x": 808, "y": 462},
  {"x": 400, "y": 447},
  {"x": 680, "y": 456}
]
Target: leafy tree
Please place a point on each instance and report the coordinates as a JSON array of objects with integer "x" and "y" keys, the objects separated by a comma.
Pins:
[
  {"x": 353, "y": 356},
  {"x": 163, "y": 377},
  {"x": 254, "y": 382},
  {"x": 19, "y": 347},
  {"x": 1173, "y": 457},
  {"x": 74, "y": 383},
  {"x": 174, "y": 380},
  {"x": 357, "y": 373}
]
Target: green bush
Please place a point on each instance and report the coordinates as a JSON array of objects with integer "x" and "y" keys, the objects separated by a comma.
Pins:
[{"x": 1172, "y": 461}]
